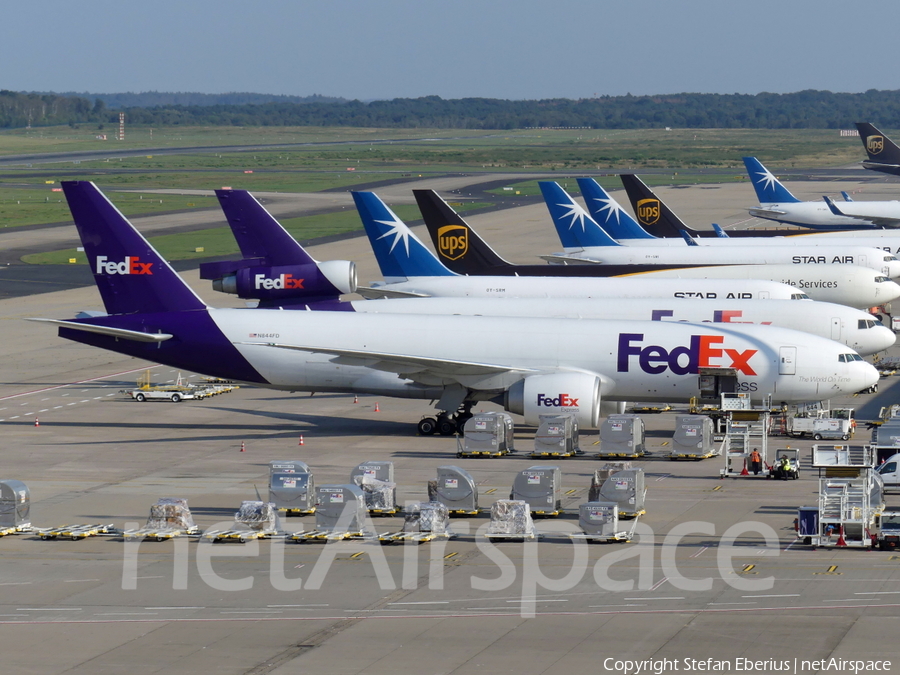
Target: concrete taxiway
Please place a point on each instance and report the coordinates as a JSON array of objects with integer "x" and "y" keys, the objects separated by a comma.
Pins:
[{"x": 461, "y": 606}]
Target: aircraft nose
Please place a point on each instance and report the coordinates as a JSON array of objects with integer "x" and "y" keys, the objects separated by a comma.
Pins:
[
  {"x": 887, "y": 291},
  {"x": 865, "y": 374},
  {"x": 881, "y": 338}
]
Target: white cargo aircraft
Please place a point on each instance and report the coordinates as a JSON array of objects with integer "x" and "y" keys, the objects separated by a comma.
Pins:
[
  {"x": 530, "y": 365},
  {"x": 571, "y": 219}
]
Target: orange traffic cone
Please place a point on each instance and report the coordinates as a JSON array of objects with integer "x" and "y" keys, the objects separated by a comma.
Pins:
[
  {"x": 744, "y": 471},
  {"x": 376, "y": 407},
  {"x": 243, "y": 449},
  {"x": 356, "y": 399},
  {"x": 36, "y": 423},
  {"x": 841, "y": 541},
  {"x": 301, "y": 440}
]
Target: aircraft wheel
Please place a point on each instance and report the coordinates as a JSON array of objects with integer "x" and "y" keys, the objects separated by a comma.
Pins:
[
  {"x": 140, "y": 398},
  {"x": 446, "y": 426},
  {"x": 427, "y": 426},
  {"x": 461, "y": 423}
]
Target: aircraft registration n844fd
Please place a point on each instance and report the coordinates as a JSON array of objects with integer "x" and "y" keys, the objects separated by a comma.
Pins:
[
  {"x": 569, "y": 218},
  {"x": 531, "y": 365}
]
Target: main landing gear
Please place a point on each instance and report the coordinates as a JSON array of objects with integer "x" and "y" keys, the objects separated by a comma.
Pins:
[{"x": 446, "y": 424}]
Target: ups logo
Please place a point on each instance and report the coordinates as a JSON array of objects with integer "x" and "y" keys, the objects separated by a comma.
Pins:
[
  {"x": 874, "y": 144},
  {"x": 648, "y": 211},
  {"x": 453, "y": 241}
]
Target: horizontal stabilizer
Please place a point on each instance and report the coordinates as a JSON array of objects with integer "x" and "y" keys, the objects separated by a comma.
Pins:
[
  {"x": 561, "y": 259},
  {"x": 122, "y": 333},
  {"x": 375, "y": 293}
]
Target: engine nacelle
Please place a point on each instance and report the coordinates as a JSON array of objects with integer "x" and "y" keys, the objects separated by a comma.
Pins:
[
  {"x": 575, "y": 394},
  {"x": 290, "y": 282}
]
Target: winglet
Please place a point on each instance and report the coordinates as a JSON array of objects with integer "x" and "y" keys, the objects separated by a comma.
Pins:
[
  {"x": 847, "y": 198},
  {"x": 769, "y": 189},
  {"x": 130, "y": 274},
  {"x": 688, "y": 239},
  {"x": 607, "y": 212},
  {"x": 722, "y": 234},
  {"x": 832, "y": 206},
  {"x": 574, "y": 225},
  {"x": 399, "y": 252}
]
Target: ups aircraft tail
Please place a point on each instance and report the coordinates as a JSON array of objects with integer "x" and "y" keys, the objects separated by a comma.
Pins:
[
  {"x": 769, "y": 189},
  {"x": 652, "y": 214},
  {"x": 575, "y": 227},
  {"x": 458, "y": 246},
  {"x": 608, "y": 213},
  {"x": 399, "y": 252},
  {"x": 883, "y": 154}
]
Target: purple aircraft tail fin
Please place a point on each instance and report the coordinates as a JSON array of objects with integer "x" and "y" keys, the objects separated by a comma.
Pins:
[
  {"x": 258, "y": 234},
  {"x": 131, "y": 276}
]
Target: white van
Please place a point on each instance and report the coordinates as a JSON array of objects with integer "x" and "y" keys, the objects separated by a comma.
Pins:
[{"x": 890, "y": 471}]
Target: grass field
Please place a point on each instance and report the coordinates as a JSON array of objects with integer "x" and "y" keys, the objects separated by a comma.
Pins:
[{"x": 220, "y": 241}]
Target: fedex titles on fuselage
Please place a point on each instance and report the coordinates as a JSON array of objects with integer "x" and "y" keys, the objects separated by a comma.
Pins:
[{"x": 704, "y": 351}]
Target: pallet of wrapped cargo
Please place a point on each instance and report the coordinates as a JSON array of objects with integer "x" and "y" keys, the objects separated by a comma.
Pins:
[{"x": 511, "y": 519}]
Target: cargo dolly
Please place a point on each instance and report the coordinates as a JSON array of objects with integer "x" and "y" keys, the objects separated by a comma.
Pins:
[
  {"x": 18, "y": 529},
  {"x": 297, "y": 512},
  {"x": 160, "y": 533},
  {"x": 328, "y": 535},
  {"x": 74, "y": 532},
  {"x": 619, "y": 455},
  {"x": 623, "y": 536},
  {"x": 238, "y": 535},
  {"x": 418, "y": 537}
]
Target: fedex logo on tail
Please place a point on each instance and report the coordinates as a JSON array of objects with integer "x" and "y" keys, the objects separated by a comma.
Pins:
[
  {"x": 704, "y": 351},
  {"x": 282, "y": 281},
  {"x": 560, "y": 401},
  {"x": 131, "y": 265}
]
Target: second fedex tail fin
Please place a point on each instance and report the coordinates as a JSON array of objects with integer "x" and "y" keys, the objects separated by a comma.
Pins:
[
  {"x": 399, "y": 252},
  {"x": 608, "y": 213},
  {"x": 575, "y": 227},
  {"x": 652, "y": 213},
  {"x": 258, "y": 234},
  {"x": 769, "y": 189},
  {"x": 131, "y": 276}
]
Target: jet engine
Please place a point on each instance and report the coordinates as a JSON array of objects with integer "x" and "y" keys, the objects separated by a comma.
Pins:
[
  {"x": 574, "y": 393},
  {"x": 282, "y": 282}
]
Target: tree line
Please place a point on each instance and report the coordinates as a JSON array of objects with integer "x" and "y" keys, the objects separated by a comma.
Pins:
[{"x": 809, "y": 109}]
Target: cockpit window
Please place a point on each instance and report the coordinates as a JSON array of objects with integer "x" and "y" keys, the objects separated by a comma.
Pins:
[
  {"x": 889, "y": 258},
  {"x": 799, "y": 296},
  {"x": 865, "y": 324},
  {"x": 849, "y": 358},
  {"x": 881, "y": 280}
]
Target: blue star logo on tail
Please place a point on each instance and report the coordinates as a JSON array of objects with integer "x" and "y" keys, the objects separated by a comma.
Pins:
[
  {"x": 610, "y": 208},
  {"x": 575, "y": 212},
  {"x": 399, "y": 230}
]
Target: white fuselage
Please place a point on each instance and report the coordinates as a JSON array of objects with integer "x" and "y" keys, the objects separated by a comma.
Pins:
[
  {"x": 637, "y": 360},
  {"x": 886, "y": 240},
  {"x": 760, "y": 254},
  {"x": 853, "y": 327},
  {"x": 593, "y": 287},
  {"x": 817, "y": 214},
  {"x": 842, "y": 284}
]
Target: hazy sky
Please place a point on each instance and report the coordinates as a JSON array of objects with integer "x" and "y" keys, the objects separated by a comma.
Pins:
[{"x": 515, "y": 49}]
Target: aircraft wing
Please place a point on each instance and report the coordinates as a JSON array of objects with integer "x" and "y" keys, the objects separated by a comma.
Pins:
[
  {"x": 423, "y": 369},
  {"x": 375, "y": 292},
  {"x": 765, "y": 213},
  {"x": 877, "y": 221},
  {"x": 122, "y": 333},
  {"x": 569, "y": 260}
]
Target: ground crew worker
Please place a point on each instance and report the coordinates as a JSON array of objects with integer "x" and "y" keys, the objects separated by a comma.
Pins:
[
  {"x": 784, "y": 467},
  {"x": 755, "y": 462}
]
